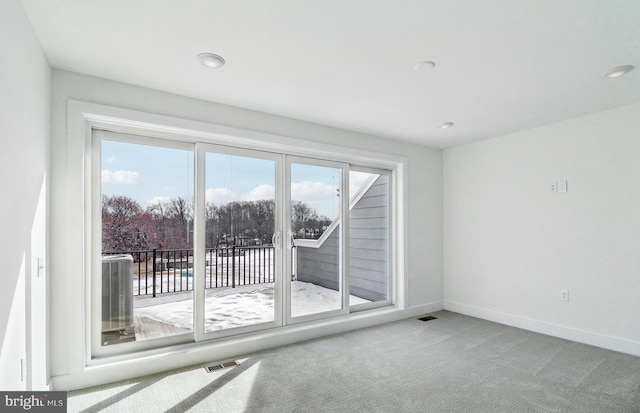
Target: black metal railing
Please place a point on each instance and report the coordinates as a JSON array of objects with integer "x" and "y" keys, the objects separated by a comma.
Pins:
[{"x": 160, "y": 271}]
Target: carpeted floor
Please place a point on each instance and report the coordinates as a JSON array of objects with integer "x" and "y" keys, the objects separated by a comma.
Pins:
[{"x": 452, "y": 364}]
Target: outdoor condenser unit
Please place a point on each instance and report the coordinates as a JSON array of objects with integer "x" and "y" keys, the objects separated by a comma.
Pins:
[{"x": 117, "y": 292}]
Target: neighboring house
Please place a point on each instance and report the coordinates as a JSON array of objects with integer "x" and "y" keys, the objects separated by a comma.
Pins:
[{"x": 318, "y": 261}]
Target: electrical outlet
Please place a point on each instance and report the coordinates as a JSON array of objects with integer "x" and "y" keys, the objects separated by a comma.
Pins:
[{"x": 564, "y": 295}]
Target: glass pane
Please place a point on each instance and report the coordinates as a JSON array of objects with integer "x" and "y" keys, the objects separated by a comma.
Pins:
[
  {"x": 315, "y": 226},
  {"x": 368, "y": 237},
  {"x": 240, "y": 259},
  {"x": 147, "y": 248}
]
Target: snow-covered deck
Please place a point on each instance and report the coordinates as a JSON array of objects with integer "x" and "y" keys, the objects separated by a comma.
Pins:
[{"x": 170, "y": 314}]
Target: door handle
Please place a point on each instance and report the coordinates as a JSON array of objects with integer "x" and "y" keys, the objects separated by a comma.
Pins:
[{"x": 275, "y": 240}]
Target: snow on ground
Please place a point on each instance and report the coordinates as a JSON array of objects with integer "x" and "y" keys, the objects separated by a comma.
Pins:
[{"x": 245, "y": 305}]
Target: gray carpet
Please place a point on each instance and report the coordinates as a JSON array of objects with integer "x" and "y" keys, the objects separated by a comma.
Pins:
[{"x": 452, "y": 364}]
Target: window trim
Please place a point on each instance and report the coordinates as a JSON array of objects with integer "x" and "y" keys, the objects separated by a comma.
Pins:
[{"x": 82, "y": 117}]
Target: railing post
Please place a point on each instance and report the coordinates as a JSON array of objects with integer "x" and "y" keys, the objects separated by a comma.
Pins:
[
  {"x": 154, "y": 272},
  {"x": 233, "y": 266}
]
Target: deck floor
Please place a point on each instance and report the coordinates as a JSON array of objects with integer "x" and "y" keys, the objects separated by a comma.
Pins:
[{"x": 147, "y": 328}]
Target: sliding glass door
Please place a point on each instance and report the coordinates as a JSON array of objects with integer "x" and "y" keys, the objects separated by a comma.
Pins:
[
  {"x": 247, "y": 245},
  {"x": 197, "y": 241},
  {"x": 315, "y": 239},
  {"x": 241, "y": 272},
  {"x": 143, "y": 260}
]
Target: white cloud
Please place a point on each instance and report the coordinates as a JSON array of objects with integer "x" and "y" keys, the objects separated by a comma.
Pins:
[
  {"x": 120, "y": 177},
  {"x": 111, "y": 159},
  {"x": 219, "y": 196},
  {"x": 158, "y": 200},
  {"x": 260, "y": 192},
  {"x": 312, "y": 192}
]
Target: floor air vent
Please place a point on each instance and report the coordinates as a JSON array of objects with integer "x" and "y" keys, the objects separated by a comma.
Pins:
[
  {"x": 221, "y": 366},
  {"x": 427, "y": 318}
]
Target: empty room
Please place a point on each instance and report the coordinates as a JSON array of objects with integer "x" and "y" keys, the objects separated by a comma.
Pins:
[{"x": 341, "y": 206}]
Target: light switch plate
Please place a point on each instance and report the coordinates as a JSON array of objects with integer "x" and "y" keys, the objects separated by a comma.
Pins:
[
  {"x": 562, "y": 186},
  {"x": 564, "y": 295}
]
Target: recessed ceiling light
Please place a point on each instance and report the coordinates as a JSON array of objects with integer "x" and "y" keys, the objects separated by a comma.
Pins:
[
  {"x": 423, "y": 67},
  {"x": 619, "y": 71},
  {"x": 210, "y": 60},
  {"x": 446, "y": 125}
]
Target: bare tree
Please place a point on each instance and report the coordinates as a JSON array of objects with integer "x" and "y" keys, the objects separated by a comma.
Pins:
[
  {"x": 158, "y": 212},
  {"x": 180, "y": 213},
  {"x": 125, "y": 226},
  {"x": 212, "y": 225},
  {"x": 306, "y": 222}
]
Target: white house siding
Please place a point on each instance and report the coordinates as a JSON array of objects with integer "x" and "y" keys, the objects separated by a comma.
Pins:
[
  {"x": 369, "y": 243},
  {"x": 368, "y": 249}
]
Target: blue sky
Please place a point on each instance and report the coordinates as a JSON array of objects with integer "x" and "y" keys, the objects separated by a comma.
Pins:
[{"x": 150, "y": 174}]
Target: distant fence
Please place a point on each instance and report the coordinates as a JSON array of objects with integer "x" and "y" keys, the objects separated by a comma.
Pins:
[{"x": 160, "y": 271}]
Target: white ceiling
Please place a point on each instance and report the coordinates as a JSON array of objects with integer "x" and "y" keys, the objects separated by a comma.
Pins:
[{"x": 501, "y": 65}]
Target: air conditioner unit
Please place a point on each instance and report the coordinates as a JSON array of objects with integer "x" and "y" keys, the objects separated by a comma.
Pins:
[{"x": 117, "y": 292}]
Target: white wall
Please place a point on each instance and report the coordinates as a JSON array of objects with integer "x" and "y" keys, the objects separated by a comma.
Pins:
[
  {"x": 511, "y": 244},
  {"x": 24, "y": 130},
  {"x": 424, "y": 265}
]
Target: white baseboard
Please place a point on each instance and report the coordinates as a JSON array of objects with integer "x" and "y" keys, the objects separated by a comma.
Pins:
[
  {"x": 424, "y": 309},
  {"x": 569, "y": 333}
]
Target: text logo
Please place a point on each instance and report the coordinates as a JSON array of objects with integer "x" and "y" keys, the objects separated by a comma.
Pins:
[{"x": 28, "y": 401}]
